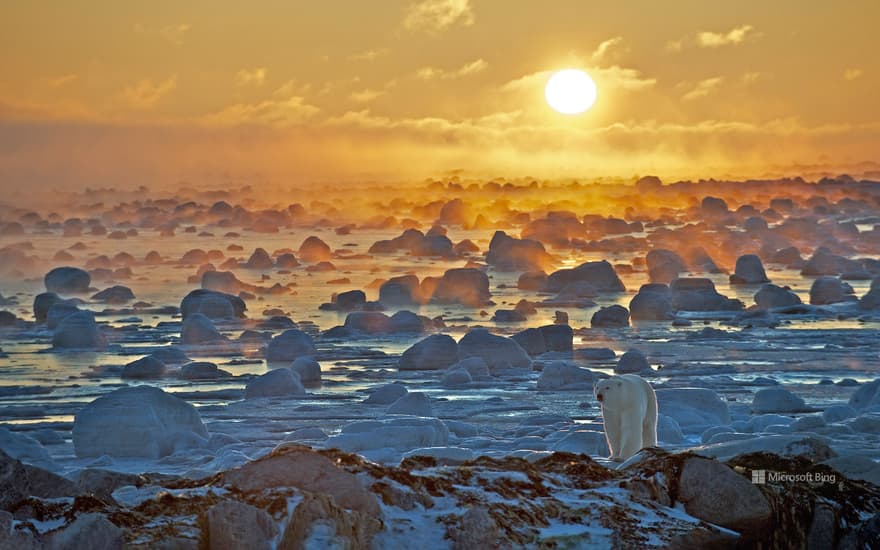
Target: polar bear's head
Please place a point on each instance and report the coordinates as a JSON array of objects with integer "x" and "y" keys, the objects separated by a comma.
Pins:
[{"x": 609, "y": 392}]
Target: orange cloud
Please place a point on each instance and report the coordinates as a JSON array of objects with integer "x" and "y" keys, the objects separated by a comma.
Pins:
[
  {"x": 145, "y": 93},
  {"x": 436, "y": 15}
]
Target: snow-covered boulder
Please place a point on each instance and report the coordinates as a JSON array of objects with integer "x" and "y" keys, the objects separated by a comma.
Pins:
[
  {"x": 668, "y": 430},
  {"x": 777, "y": 400},
  {"x": 693, "y": 408},
  {"x": 139, "y": 421},
  {"x": 114, "y": 295},
  {"x": 475, "y": 366},
  {"x": 867, "y": 395},
  {"x": 600, "y": 275},
  {"x": 402, "y": 432},
  {"x": 591, "y": 443},
  {"x": 454, "y": 378},
  {"x": 559, "y": 375},
  {"x": 24, "y": 447},
  {"x": 201, "y": 370},
  {"x": 275, "y": 383},
  {"x": 412, "y": 403},
  {"x": 386, "y": 394},
  {"x": 466, "y": 286}
]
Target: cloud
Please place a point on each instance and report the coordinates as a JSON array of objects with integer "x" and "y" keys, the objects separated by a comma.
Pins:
[
  {"x": 276, "y": 113},
  {"x": 853, "y": 74},
  {"x": 365, "y": 96},
  {"x": 433, "y": 16},
  {"x": 474, "y": 67},
  {"x": 703, "y": 88},
  {"x": 751, "y": 77},
  {"x": 145, "y": 94},
  {"x": 707, "y": 39},
  {"x": 602, "y": 49},
  {"x": 175, "y": 33},
  {"x": 59, "y": 81},
  {"x": 369, "y": 55},
  {"x": 246, "y": 77},
  {"x": 614, "y": 77}
]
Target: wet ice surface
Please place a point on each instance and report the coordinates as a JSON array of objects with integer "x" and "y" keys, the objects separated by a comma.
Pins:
[{"x": 42, "y": 390}]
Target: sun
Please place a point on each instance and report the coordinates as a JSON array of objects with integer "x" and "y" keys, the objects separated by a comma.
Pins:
[{"x": 570, "y": 91}]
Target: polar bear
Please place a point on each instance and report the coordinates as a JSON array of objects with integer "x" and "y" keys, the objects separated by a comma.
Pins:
[{"x": 629, "y": 410}]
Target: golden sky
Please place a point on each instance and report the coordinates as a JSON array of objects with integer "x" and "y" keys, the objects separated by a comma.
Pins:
[{"x": 116, "y": 93}]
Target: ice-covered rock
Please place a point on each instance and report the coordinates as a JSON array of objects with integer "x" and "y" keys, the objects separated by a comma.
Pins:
[
  {"x": 652, "y": 303},
  {"x": 615, "y": 316},
  {"x": 78, "y": 331},
  {"x": 289, "y": 346},
  {"x": 531, "y": 340},
  {"x": 60, "y": 311},
  {"x": 749, "y": 271},
  {"x": 197, "y": 330},
  {"x": 600, "y": 275},
  {"x": 830, "y": 290},
  {"x": 412, "y": 403},
  {"x": 668, "y": 430},
  {"x": 139, "y": 421},
  {"x": 557, "y": 337},
  {"x": 144, "y": 368},
  {"x": 437, "y": 351},
  {"x": 777, "y": 400},
  {"x": 23, "y": 447},
  {"x": 693, "y": 408},
  {"x": 454, "y": 378},
  {"x": 811, "y": 447},
  {"x": 404, "y": 322},
  {"x": 386, "y": 394},
  {"x": 770, "y": 296},
  {"x": 67, "y": 280},
  {"x": 308, "y": 368},
  {"x": 475, "y": 366},
  {"x": 559, "y": 375},
  {"x": 212, "y": 304},
  {"x": 760, "y": 422},
  {"x": 402, "y": 432},
  {"x": 836, "y": 413},
  {"x": 867, "y": 395},
  {"x": 632, "y": 362},
  {"x": 260, "y": 259},
  {"x": 350, "y": 300},
  {"x": 498, "y": 352},
  {"x": 588, "y": 442},
  {"x": 275, "y": 383}
]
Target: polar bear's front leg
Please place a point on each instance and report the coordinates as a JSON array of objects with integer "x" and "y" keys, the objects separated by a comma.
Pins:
[
  {"x": 631, "y": 436},
  {"x": 612, "y": 433}
]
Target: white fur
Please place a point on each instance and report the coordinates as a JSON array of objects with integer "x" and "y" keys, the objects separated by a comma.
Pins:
[{"x": 629, "y": 410}]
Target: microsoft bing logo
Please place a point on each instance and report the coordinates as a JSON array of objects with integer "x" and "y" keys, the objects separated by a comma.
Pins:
[{"x": 759, "y": 477}]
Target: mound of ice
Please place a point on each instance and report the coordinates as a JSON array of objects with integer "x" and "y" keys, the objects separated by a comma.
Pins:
[
  {"x": 559, "y": 375},
  {"x": 197, "y": 329},
  {"x": 868, "y": 395},
  {"x": 777, "y": 400},
  {"x": 275, "y": 383},
  {"x": 67, "y": 280},
  {"x": 693, "y": 408},
  {"x": 78, "y": 331},
  {"x": 413, "y": 403},
  {"x": 387, "y": 394},
  {"x": 140, "y": 421},
  {"x": 308, "y": 368},
  {"x": 24, "y": 448},
  {"x": 290, "y": 345},
  {"x": 402, "y": 433}
]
